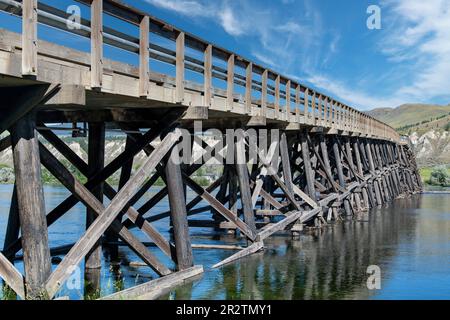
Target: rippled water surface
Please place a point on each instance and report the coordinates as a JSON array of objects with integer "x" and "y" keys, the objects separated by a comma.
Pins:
[{"x": 409, "y": 241}]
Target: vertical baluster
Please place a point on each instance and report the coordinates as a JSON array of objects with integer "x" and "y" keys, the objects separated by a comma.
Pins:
[
  {"x": 97, "y": 44},
  {"x": 230, "y": 82},
  {"x": 248, "y": 88},
  {"x": 144, "y": 57},
  {"x": 180, "y": 67},
  {"x": 297, "y": 102},
  {"x": 208, "y": 76},
  {"x": 288, "y": 100},
  {"x": 264, "y": 78},
  {"x": 277, "y": 97},
  {"x": 29, "y": 38}
]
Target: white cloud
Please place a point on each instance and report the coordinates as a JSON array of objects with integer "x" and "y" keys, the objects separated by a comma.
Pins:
[
  {"x": 419, "y": 36},
  {"x": 185, "y": 7},
  {"x": 229, "y": 22}
]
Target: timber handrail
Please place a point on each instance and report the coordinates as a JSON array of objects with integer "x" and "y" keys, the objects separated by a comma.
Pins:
[{"x": 289, "y": 98}]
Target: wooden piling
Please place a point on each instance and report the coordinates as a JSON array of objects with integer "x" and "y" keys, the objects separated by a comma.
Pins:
[{"x": 30, "y": 199}]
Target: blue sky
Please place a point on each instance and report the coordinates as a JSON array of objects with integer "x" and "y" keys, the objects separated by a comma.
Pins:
[{"x": 326, "y": 43}]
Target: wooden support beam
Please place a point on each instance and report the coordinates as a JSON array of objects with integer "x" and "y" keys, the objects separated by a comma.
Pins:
[
  {"x": 109, "y": 214},
  {"x": 30, "y": 195},
  {"x": 144, "y": 57},
  {"x": 178, "y": 212},
  {"x": 97, "y": 44},
  {"x": 96, "y": 161},
  {"x": 255, "y": 247},
  {"x": 307, "y": 166},
  {"x": 5, "y": 143},
  {"x": 216, "y": 205},
  {"x": 156, "y": 288},
  {"x": 244, "y": 183},
  {"x": 29, "y": 38},
  {"x": 180, "y": 60},
  {"x": 133, "y": 215},
  {"x": 20, "y": 101},
  {"x": 340, "y": 171},
  {"x": 287, "y": 174},
  {"x": 13, "y": 228},
  {"x": 69, "y": 181},
  {"x": 288, "y": 100},
  {"x": 12, "y": 276}
]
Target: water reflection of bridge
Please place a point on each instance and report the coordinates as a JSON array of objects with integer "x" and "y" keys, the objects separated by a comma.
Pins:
[{"x": 326, "y": 264}]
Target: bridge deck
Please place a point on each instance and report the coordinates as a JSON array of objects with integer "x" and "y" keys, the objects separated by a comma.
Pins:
[{"x": 273, "y": 98}]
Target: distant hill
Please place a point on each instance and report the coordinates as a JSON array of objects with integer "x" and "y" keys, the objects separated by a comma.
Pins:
[{"x": 408, "y": 118}]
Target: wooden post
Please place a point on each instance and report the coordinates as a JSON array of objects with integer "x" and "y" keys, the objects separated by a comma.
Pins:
[
  {"x": 288, "y": 100},
  {"x": 97, "y": 44},
  {"x": 338, "y": 161},
  {"x": 306, "y": 105},
  {"x": 178, "y": 213},
  {"x": 372, "y": 169},
  {"x": 144, "y": 57},
  {"x": 264, "y": 93},
  {"x": 285, "y": 159},
  {"x": 180, "y": 58},
  {"x": 277, "y": 97},
  {"x": 31, "y": 205},
  {"x": 244, "y": 183},
  {"x": 230, "y": 82},
  {"x": 307, "y": 166},
  {"x": 248, "y": 87},
  {"x": 96, "y": 162},
  {"x": 208, "y": 76},
  {"x": 361, "y": 171},
  {"x": 297, "y": 103},
  {"x": 29, "y": 37}
]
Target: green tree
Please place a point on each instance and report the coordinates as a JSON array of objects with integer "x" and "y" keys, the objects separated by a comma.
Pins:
[{"x": 440, "y": 176}]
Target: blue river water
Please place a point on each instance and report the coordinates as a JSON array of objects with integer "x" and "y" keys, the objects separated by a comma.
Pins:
[{"x": 408, "y": 240}]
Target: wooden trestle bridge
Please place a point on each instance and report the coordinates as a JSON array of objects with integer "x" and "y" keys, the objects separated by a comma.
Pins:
[{"x": 334, "y": 160}]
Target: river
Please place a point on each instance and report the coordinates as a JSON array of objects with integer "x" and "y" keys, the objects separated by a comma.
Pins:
[{"x": 409, "y": 241}]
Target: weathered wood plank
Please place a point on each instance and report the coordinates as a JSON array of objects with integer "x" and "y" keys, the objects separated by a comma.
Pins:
[
  {"x": 96, "y": 161},
  {"x": 144, "y": 57},
  {"x": 30, "y": 195},
  {"x": 97, "y": 44},
  {"x": 178, "y": 212},
  {"x": 230, "y": 82},
  {"x": 29, "y": 38},
  {"x": 255, "y": 247},
  {"x": 180, "y": 60},
  {"x": 156, "y": 288},
  {"x": 208, "y": 64},
  {"x": 216, "y": 205},
  {"x": 244, "y": 183},
  {"x": 12, "y": 276}
]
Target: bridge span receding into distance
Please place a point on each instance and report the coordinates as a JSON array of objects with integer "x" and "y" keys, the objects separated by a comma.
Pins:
[{"x": 330, "y": 162}]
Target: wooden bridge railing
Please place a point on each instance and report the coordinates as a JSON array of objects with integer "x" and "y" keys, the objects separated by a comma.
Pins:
[{"x": 287, "y": 99}]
